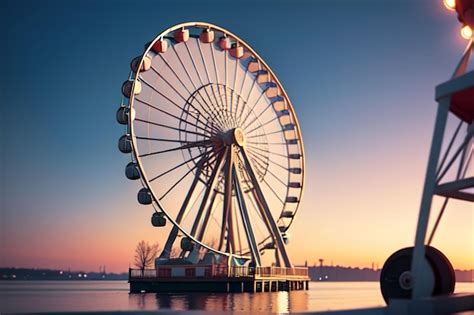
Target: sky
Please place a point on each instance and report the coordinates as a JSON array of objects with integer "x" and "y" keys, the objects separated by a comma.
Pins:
[{"x": 360, "y": 74}]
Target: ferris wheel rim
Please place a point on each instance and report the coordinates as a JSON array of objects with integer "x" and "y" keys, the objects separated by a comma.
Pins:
[{"x": 136, "y": 158}]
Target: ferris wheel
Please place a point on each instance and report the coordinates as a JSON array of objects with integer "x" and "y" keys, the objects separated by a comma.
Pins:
[{"x": 215, "y": 142}]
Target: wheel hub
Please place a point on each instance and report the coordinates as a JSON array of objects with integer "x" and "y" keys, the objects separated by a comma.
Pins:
[
  {"x": 405, "y": 280},
  {"x": 234, "y": 136}
]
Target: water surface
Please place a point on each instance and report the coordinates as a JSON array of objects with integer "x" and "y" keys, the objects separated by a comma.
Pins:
[{"x": 50, "y": 296}]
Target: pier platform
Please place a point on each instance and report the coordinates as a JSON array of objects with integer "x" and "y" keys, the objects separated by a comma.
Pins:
[{"x": 215, "y": 278}]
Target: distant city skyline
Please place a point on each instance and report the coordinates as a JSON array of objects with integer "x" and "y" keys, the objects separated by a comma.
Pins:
[{"x": 361, "y": 76}]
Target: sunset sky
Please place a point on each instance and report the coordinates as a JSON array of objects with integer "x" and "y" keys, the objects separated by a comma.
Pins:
[{"x": 360, "y": 74}]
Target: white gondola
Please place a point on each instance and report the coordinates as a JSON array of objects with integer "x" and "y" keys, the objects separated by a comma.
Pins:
[
  {"x": 124, "y": 144},
  {"x": 131, "y": 171},
  {"x": 144, "y": 196}
]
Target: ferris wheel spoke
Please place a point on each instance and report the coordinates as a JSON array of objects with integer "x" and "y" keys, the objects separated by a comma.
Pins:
[
  {"x": 239, "y": 115},
  {"x": 278, "y": 179},
  {"x": 176, "y": 75},
  {"x": 257, "y": 158},
  {"x": 270, "y": 172},
  {"x": 182, "y": 97},
  {"x": 170, "y": 127},
  {"x": 268, "y": 133},
  {"x": 174, "y": 116},
  {"x": 182, "y": 83},
  {"x": 209, "y": 110},
  {"x": 253, "y": 107},
  {"x": 273, "y": 162},
  {"x": 199, "y": 74},
  {"x": 269, "y": 143},
  {"x": 211, "y": 156},
  {"x": 235, "y": 81},
  {"x": 164, "y": 96},
  {"x": 200, "y": 144},
  {"x": 178, "y": 166},
  {"x": 251, "y": 89},
  {"x": 162, "y": 139},
  {"x": 207, "y": 71},
  {"x": 241, "y": 90},
  {"x": 226, "y": 53},
  {"x": 217, "y": 72},
  {"x": 260, "y": 155},
  {"x": 256, "y": 118},
  {"x": 266, "y": 213},
  {"x": 268, "y": 151},
  {"x": 210, "y": 187},
  {"x": 274, "y": 192}
]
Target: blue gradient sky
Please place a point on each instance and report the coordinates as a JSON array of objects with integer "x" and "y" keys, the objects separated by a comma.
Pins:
[{"x": 360, "y": 74}]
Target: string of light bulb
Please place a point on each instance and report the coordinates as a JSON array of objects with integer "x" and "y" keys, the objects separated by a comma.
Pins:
[{"x": 465, "y": 10}]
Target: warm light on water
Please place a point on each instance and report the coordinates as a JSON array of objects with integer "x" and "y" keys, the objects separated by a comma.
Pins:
[{"x": 50, "y": 296}]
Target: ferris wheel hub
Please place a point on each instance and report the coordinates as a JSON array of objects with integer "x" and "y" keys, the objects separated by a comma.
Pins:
[{"x": 234, "y": 136}]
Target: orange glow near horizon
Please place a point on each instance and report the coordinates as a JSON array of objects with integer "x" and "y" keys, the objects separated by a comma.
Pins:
[{"x": 366, "y": 231}]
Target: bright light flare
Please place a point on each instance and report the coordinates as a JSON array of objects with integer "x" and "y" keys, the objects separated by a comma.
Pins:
[
  {"x": 466, "y": 32},
  {"x": 450, "y": 4}
]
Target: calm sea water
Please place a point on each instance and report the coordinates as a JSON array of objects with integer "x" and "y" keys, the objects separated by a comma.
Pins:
[{"x": 50, "y": 296}]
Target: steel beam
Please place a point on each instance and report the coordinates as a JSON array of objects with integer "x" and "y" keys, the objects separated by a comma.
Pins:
[
  {"x": 246, "y": 220},
  {"x": 266, "y": 213}
]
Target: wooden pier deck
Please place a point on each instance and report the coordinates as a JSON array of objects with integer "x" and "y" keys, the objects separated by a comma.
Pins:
[{"x": 215, "y": 278}]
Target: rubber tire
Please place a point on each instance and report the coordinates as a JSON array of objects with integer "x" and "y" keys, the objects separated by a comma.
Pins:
[
  {"x": 445, "y": 278},
  {"x": 400, "y": 261}
]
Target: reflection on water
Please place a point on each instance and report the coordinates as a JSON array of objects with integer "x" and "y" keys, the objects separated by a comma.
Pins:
[
  {"x": 277, "y": 302},
  {"x": 55, "y": 296}
]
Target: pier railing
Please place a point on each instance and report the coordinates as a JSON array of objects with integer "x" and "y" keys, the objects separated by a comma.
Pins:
[{"x": 216, "y": 271}]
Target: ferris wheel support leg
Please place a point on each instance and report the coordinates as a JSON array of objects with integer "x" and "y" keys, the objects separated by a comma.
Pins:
[
  {"x": 464, "y": 153},
  {"x": 174, "y": 231},
  {"x": 210, "y": 187},
  {"x": 246, "y": 220},
  {"x": 420, "y": 288},
  {"x": 227, "y": 206},
  {"x": 207, "y": 216},
  {"x": 266, "y": 213}
]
